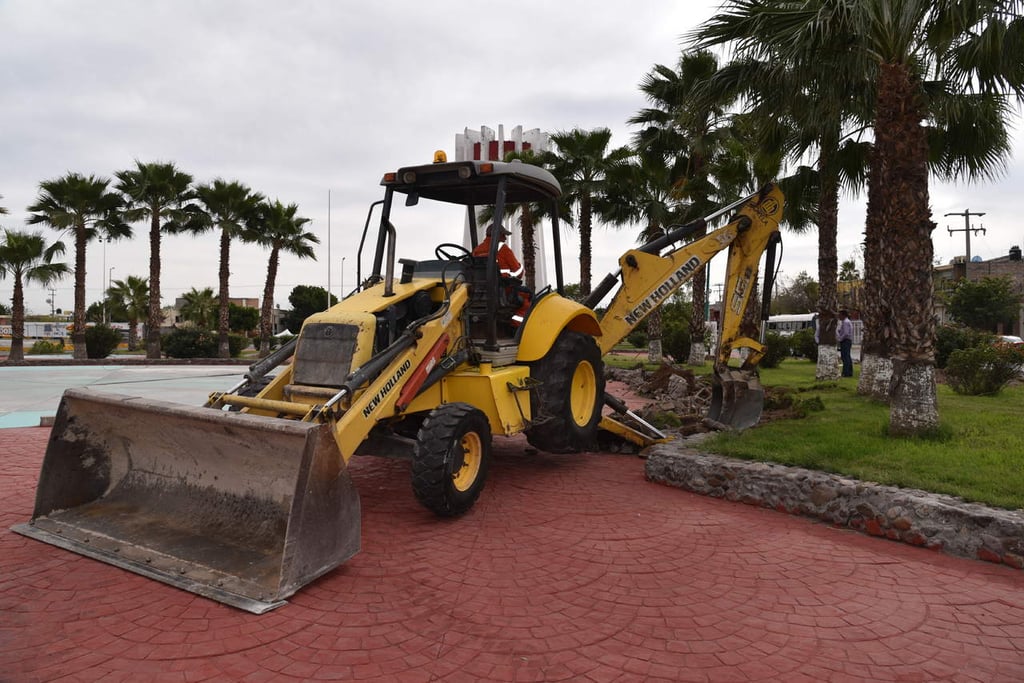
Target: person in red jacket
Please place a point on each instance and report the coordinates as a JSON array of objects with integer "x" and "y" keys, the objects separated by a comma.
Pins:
[{"x": 508, "y": 264}]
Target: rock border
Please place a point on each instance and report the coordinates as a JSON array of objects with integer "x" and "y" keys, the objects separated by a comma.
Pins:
[{"x": 938, "y": 522}]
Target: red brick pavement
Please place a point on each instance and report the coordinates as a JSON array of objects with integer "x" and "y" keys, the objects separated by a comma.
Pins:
[{"x": 569, "y": 568}]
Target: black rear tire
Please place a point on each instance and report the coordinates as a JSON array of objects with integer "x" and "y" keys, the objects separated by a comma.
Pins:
[
  {"x": 451, "y": 459},
  {"x": 567, "y": 405}
]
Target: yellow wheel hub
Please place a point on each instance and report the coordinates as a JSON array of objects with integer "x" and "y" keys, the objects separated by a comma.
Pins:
[
  {"x": 583, "y": 393},
  {"x": 472, "y": 456}
]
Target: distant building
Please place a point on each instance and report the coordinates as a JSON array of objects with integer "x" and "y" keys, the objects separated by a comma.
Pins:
[{"x": 1010, "y": 267}]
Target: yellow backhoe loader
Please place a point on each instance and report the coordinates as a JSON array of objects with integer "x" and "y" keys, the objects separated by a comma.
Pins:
[{"x": 248, "y": 498}]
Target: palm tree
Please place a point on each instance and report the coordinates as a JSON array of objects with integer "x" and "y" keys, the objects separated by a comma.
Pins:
[
  {"x": 642, "y": 191},
  {"x": 910, "y": 47},
  {"x": 27, "y": 258},
  {"x": 83, "y": 206},
  {"x": 278, "y": 228},
  {"x": 581, "y": 166},
  {"x": 131, "y": 297},
  {"x": 199, "y": 307},
  {"x": 230, "y": 206},
  {"x": 800, "y": 112},
  {"x": 690, "y": 122},
  {"x": 158, "y": 192},
  {"x": 529, "y": 216}
]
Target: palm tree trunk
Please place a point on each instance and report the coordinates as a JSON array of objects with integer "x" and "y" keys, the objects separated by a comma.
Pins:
[
  {"x": 223, "y": 347},
  {"x": 266, "y": 324},
  {"x": 827, "y": 368},
  {"x": 529, "y": 235},
  {"x": 655, "y": 329},
  {"x": 133, "y": 334},
  {"x": 585, "y": 237},
  {"x": 17, "y": 351},
  {"x": 698, "y": 353},
  {"x": 155, "y": 318},
  {"x": 876, "y": 365},
  {"x": 78, "y": 330},
  {"x": 906, "y": 251}
]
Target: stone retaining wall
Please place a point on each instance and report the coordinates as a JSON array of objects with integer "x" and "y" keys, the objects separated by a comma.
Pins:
[{"x": 934, "y": 521}]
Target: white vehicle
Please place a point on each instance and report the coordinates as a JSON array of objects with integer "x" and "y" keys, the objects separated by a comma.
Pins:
[{"x": 787, "y": 324}]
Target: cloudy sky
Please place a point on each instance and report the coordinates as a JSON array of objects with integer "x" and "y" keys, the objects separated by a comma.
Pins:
[{"x": 307, "y": 100}]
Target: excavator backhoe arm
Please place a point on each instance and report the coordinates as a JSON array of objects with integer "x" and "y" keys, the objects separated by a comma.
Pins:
[{"x": 649, "y": 278}]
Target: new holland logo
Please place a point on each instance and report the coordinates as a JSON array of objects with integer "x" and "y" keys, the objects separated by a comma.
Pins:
[
  {"x": 386, "y": 389},
  {"x": 664, "y": 289}
]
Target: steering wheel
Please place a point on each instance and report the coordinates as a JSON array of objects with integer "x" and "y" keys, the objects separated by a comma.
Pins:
[{"x": 451, "y": 252}]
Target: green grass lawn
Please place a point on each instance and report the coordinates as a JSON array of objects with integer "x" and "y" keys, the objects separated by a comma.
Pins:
[{"x": 978, "y": 453}]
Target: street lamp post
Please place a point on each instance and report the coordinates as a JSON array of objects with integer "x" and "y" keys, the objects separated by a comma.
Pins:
[
  {"x": 110, "y": 277},
  {"x": 103, "y": 293},
  {"x": 342, "y": 277}
]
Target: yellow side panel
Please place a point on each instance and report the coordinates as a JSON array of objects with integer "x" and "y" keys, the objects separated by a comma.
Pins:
[
  {"x": 487, "y": 389},
  {"x": 428, "y": 400},
  {"x": 548, "y": 318},
  {"x": 376, "y": 401}
]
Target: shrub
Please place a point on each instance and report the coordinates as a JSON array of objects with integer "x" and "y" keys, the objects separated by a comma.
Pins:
[
  {"x": 983, "y": 370},
  {"x": 237, "y": 343},
  {"x": 44, "y": 347},
  {"x": 949, "y": 338},
  {"x": 776, "y": 350},
  {"x": 194, "y": 342},
  {"x": 638, "y": 338},
  {"x": 675, "y": 340},
  {"x": 190, "y": 342},
  {"x": 101, "y": 341},
  {"x": 276, "y": 341},
  {"x": 802, "y": 343}
]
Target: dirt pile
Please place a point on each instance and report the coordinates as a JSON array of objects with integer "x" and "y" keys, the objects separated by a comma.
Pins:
[{"x": 677, "y": 400}]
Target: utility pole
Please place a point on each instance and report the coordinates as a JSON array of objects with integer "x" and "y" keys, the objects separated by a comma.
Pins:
[
  {"x": 329, "y": 250},
  {"x": 967, "y": 230}
]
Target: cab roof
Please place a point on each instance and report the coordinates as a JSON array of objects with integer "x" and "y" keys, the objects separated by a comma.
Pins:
[{"x": 475, "y": 183}]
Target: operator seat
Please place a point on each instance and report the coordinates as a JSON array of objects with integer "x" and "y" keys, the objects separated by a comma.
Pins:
[{"x": 508, "y": 299}]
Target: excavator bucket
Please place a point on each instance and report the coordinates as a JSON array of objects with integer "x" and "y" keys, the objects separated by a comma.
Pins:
[
  {"x": 238, "y": 508},
  {"x": 737, "y": 399}
]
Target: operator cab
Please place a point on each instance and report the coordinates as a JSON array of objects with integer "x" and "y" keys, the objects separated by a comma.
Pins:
[{"x": 494, "y": 312}]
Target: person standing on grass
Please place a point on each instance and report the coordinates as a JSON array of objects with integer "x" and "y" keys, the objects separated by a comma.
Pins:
[{"x": 844, "y": 334}]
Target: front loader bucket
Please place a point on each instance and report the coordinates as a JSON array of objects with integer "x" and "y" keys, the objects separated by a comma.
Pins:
[
  {"x": 238, "y": 508},
  {"x": 737, "y": 399}
]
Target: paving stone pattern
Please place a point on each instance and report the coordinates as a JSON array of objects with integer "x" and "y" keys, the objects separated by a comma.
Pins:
[
  {"x": 920, "y": 518},
  {"x": 570, "y": 568}
]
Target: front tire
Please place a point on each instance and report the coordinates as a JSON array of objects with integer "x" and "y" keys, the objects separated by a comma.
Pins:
[
  {"x": 451, "y": 459},
  {"x": 567, "y": 405}
]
